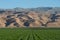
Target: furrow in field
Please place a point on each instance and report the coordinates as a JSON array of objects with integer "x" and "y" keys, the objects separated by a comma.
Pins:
[
  {"x": 22, "y": 36},
  {"x": 27, "y": 36}
]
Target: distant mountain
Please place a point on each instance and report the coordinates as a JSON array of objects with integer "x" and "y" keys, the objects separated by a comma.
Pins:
[{"x": 38, "y": 9}]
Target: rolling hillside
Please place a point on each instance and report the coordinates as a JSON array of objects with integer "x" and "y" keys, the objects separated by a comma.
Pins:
[{"x": 30, "y": 17}]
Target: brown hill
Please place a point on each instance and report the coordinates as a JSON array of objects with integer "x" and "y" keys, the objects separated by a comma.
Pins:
[{"x": 11, "y": 19}]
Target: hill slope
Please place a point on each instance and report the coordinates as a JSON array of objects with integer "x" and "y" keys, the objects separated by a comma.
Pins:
[{"x": 30, "y": 17}]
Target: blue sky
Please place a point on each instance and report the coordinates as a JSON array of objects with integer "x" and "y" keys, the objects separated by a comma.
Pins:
[{"x": 29, "y": 3}]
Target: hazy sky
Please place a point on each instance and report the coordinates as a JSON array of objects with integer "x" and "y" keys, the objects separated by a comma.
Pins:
[{"x": 29, "y": 3}]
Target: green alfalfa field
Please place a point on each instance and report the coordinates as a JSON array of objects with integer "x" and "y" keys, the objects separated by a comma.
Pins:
[{"x": 29, "y": 34}]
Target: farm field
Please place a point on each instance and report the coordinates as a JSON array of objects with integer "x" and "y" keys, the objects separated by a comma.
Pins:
[{"x": 29, "y": 34}]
